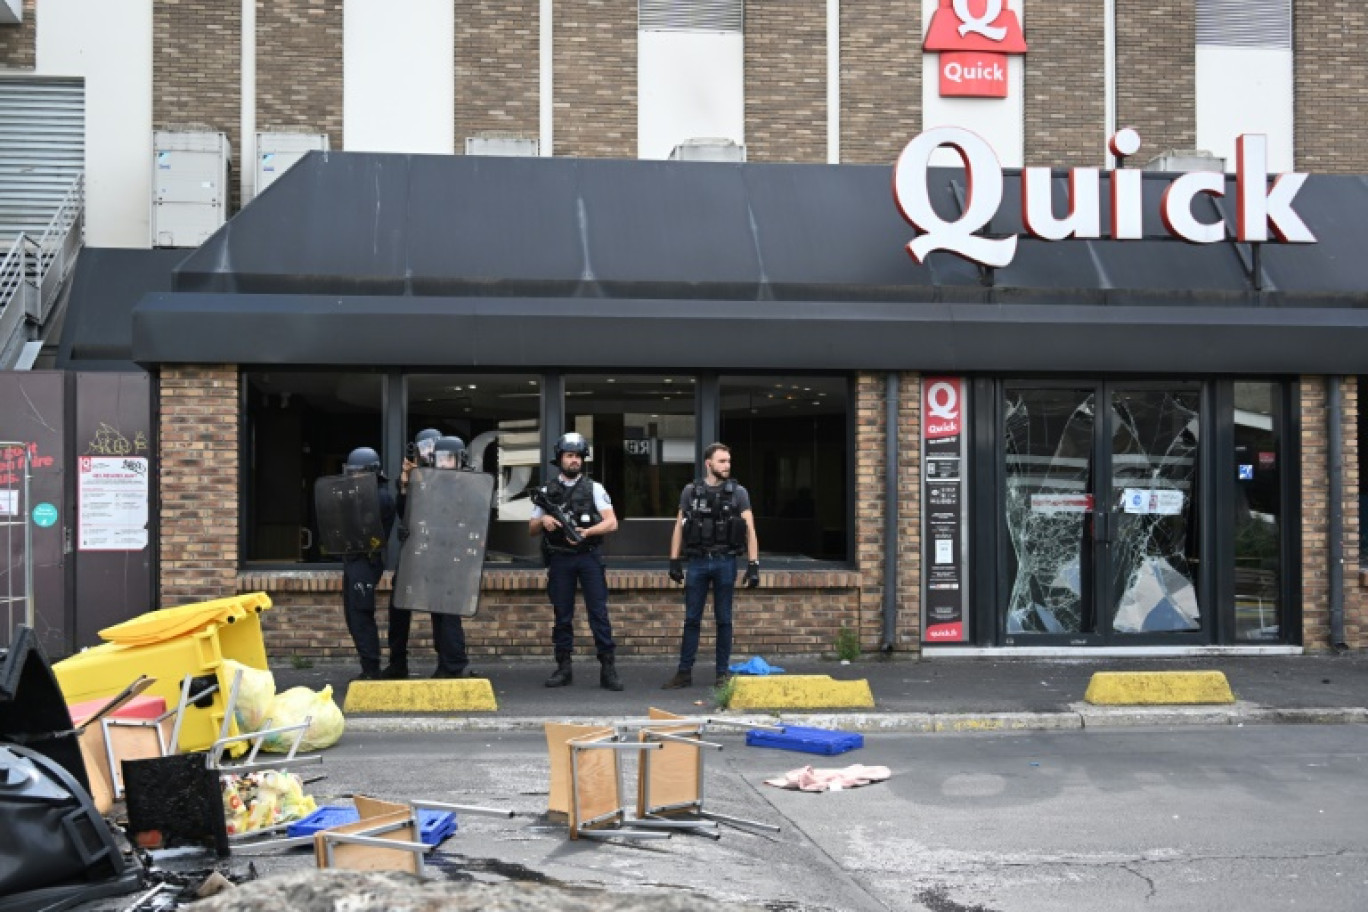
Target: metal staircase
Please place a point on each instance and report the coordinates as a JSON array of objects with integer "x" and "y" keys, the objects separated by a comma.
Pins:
[{"x": 33, "y": 273}]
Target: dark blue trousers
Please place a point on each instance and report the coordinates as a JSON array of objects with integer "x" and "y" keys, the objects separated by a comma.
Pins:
[
  {"x": 359, "y": 577},
  {"x": 720, "y": 573},
  {"x": 563, "y": 572}
]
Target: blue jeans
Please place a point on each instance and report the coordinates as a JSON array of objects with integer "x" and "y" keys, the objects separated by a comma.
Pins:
[
  {"x": 563, "y": 571},
  {"x": 720, "y": 573}
]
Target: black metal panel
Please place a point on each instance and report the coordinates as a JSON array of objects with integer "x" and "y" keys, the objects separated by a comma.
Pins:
[
  {"x": 348, "y": 511},
  {"x": 448, "y": 529},
  {"x": 455, "y": 332},
  {"x": 97, "y": 329}
]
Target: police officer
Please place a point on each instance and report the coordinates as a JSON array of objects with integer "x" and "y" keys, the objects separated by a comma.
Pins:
[
  {"x": 433, "y": 450},
  {"x": 572, "y": 555},
  {"x": 361, "y": 572},
  {"x": 713, "y": 527}
]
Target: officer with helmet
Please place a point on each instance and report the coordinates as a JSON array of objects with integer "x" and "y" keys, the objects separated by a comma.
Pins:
[
  {"x": 361, "y": 572},
  {"x": 433, "y": 450},
  {"x": 713, "y": 528},
  {"x": 572, "y": 556}
]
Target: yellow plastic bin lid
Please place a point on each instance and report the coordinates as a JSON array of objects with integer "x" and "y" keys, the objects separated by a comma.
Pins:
[{"x": 168, "y": 623}]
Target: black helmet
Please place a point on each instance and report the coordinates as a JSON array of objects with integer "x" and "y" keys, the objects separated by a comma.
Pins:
[
  {"x": 571, "y": 443},
  {"x": 362, "y": 459},
  {"x": 454, "y": 446},
  {"x": 423, "y": 444}
]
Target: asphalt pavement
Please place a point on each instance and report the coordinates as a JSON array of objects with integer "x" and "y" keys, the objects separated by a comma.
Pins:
[{"x": 910, "y": 694}]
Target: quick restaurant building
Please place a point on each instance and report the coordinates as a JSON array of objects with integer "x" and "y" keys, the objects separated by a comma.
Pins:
[{"x": 1140, "y": 445}]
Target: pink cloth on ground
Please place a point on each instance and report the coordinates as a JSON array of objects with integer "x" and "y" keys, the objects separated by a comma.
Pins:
[{"x": 808, "y": 779}]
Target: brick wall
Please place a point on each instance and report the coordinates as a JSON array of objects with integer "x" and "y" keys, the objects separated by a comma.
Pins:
[
  {"x": 881, "y": 79},
  {"x": 1315, "y": 525},
  {"x": 1065, "y": 91},
  {"x": 17, "y": 42},
  {"x": 198, "y": 453},
  {"x": 786, "y": 81},
  {"x": 497, "y": 70},
  {"x": 1330, "y": 85},
  {"x": 514, "y": 620},
  {"x": 595, "y": 76},
  {"x": 299, "y": 67},
  {"x": 1156, "y": 72},
  {"x": 196, "y": 70}
]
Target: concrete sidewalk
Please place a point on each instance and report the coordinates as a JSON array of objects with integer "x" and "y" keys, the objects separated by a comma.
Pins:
[{"x": 910, "y": 694}]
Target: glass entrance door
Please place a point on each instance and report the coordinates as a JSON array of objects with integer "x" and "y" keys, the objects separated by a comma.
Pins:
[{"x": 1100, "y": 519}]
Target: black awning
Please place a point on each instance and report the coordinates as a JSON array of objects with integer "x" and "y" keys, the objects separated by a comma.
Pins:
[
  {"x": 371, "y": 259},
  {"x": 97, "y": 331},
  {"x": 403, "y": 331}
]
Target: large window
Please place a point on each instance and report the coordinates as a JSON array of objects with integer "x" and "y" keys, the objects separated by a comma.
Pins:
[
  {"x": 641, "y": 429},
  {"x": 789, "y": 440},
  {"x": 301, "y": 426},
  {"x": 498, "y": 417}
]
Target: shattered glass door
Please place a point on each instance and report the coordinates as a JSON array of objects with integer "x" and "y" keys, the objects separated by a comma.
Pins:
[
  {"x": 1100, "y": 509},
  {"x": 1049, "y": 448},
  {"x": 1153, "y": 540}
]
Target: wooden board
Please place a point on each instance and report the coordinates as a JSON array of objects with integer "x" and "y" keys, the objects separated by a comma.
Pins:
[
  {"x": 671, "y": 775},
  {"x": 370, "y": 858},
  {"x": 558, "y": 734},
  {"x": 595, "y": 785}
]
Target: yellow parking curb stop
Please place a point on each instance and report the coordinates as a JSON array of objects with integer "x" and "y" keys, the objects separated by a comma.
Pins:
[
  {"x": 1158, "y": 688},
  {"x": 800, "y": 692},
  {"x": 424, "y": 695}
]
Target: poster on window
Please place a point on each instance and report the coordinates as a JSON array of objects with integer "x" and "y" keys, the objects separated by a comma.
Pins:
[
  {"x": 945, "y": 591},
  {"x": 111, "y": 493}
]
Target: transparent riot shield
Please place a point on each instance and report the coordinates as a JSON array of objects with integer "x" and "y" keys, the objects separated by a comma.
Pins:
[{"x": 448, "y": 528}]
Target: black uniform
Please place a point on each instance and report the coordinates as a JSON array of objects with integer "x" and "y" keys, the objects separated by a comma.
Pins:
[{"x": 360, "y": 574}]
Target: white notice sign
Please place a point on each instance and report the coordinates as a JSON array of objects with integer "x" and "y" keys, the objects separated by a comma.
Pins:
[
  {"x": 112, "y": 503},
  {"x": 9, "y": 503},
  {"x": 1146, "y": 501}
]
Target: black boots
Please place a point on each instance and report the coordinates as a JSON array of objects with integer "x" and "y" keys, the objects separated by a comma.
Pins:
[
  {"x": 608, "y": 676},
  {"x": 562, "y": 675}
]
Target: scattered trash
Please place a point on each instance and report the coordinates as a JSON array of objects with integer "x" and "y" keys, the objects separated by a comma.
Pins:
[
  {"x": 807, "y": 779},
  {"x": 263, "y": 799},
  {"x": 300, "y": 704},
  {"x": 255, "y": 693},
  {"x": 755, "y": 666},
  {"x": 806, "y": 740},
  {"x": 433, "y": 826},
  {"x": 175, "y": 801}
]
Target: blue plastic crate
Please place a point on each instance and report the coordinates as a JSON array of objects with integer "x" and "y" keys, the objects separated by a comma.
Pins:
[
  {"x": 434, "y": 826},
  {"x": 807, "y": 740}
]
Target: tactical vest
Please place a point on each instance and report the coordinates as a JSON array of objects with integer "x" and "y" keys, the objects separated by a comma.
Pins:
[
  {"x": 712, "y": 523},
  {"x": 577, "y": 501}
]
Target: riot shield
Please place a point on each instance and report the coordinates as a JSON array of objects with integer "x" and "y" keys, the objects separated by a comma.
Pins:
[
  {"x": 347, "y": 508},
  {"x": 448, "y": 527}
]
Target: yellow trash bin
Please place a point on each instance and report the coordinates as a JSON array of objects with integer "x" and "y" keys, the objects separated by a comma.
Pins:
[{"x": 220, "y": 631}]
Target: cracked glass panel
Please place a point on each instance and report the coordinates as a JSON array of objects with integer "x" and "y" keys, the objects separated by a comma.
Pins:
[
  {"x": 1048, "y": 436},
  {"x": 1154, "y": 494},
  {"x": 1258, "y": 512}
]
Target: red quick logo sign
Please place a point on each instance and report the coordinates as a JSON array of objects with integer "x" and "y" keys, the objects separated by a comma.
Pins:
[
  {"x": 1263, "y": 211},
  {"x": 941, "y": 404},
  {"x": 974, "y": 38}
]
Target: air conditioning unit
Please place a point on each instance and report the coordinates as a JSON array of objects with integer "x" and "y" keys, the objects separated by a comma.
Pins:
[
  {"x": 502, "y": 144},
  {"x": 190, "y": 185},
  {"x": 1183, "y": 160},
  {"x": 278, "y": 150},
  {"x": 710, "y": 149},
  {"x": 11, "y": 12}
]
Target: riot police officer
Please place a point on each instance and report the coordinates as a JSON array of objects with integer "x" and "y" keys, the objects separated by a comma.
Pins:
[
  {"x": 361, "y": 572},
  {"x": 572, "y": 514},
  {"x": 713, "y": 527},
  {"x": 433, "y": 450}
]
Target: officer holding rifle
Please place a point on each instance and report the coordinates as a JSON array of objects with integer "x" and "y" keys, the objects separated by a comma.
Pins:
[{"x": 572, "y": 513}]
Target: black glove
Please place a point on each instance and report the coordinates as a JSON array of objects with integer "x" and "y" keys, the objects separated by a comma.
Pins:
[
  {"x": 676, "y": 570},
  {"x": 752, "y": 574}
]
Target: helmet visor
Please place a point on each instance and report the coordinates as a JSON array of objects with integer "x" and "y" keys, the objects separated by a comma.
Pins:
[{"x": 446, "y": 460}]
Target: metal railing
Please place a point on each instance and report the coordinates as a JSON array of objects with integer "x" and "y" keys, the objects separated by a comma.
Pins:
[
  {"x": 15, "y": 529},
  {"x": 34, "y": 270}
]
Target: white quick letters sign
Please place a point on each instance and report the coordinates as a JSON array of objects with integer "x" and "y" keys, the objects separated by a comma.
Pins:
[{"x": 1261, "y": 208}]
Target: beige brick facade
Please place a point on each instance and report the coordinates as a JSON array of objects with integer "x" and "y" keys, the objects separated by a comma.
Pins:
[
  {"x": 1064, "y": 103},
  {"x": 1156, "y": 73},
  {"x": 1330, "y": 86},
  {"x": 299, "y": 67},
  {"x": 196, "y": 70},
  {"x": 595, "y": 76},
  {"x": 497, "y": 68},
  {"x": 786, "y": 109},
  {"x": 881, "y": 79},
  {"x": 198, "y": 440},
  {"x": 18, "y": 42}
]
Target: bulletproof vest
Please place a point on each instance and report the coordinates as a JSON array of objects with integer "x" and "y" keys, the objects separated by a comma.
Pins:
[
  {"x": 712, "y": 523},
  {"x": 577, "y": 501}
]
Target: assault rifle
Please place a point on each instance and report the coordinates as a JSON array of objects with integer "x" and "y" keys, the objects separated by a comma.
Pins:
[{"x": 556, "y": 512}]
